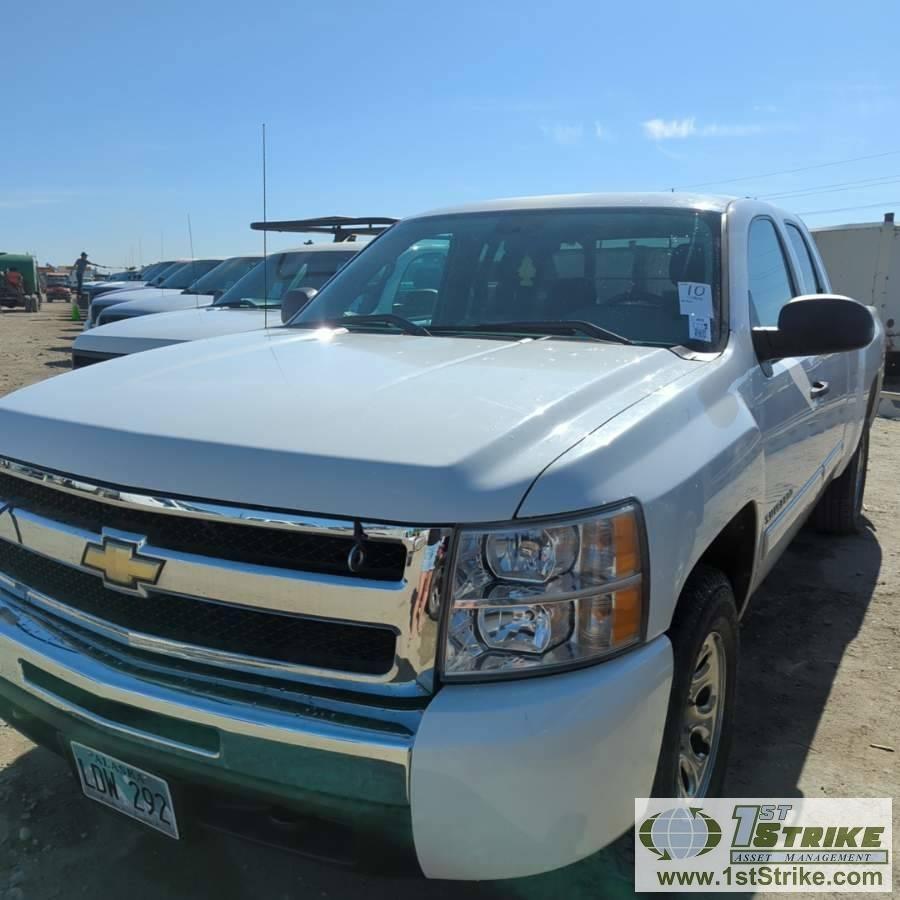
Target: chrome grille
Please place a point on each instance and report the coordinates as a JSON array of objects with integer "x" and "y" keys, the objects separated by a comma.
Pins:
[
  {"x": 225, "y": 627},
  {"x": 284, "y": 549},
  {"x": 318, "y": 601}
]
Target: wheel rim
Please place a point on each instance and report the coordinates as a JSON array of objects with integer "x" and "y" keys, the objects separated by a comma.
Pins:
[{"x": 702, "y": 719}]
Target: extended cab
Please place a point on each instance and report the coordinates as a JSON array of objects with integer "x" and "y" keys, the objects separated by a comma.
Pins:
[{"x": 456, "y": 570}]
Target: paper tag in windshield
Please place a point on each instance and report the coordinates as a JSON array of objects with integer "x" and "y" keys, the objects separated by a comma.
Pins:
[
  {"x": 699, "y": 329},
  {"x": 695, "y": 299}
]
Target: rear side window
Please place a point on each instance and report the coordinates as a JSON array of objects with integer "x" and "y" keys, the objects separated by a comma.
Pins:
[
  {"x": 809, "y": 278},
  {"x": 769, "y": 276}
]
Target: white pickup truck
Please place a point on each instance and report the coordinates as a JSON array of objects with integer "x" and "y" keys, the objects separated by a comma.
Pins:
[{"x": 456, "y": 571}]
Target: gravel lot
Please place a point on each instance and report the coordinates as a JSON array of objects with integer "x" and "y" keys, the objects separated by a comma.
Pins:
[{"x": 819, "y": 716}]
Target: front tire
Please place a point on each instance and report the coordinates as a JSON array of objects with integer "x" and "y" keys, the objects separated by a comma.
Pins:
[
  {"x": 700, "y": 719},
  {"x": 839, "y": 510}
]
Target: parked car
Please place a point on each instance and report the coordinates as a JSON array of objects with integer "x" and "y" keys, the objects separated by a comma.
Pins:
[
  {"x": 459, "y": 571},
  {"x": 174, "y": 280},
  {"x": 199, "y": 294},
  {"x": 864, "y": 261},
  {"x": 151, "y": 275},
  {"x": 253, "y": 302}
]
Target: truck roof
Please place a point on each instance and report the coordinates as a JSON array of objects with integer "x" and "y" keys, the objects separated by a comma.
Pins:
[
  {"x": 712, "y": 202},
  {"x": 322, "y": 247}
]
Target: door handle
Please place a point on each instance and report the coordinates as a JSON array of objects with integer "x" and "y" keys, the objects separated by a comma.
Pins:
[{"x": 818, "y": 390}]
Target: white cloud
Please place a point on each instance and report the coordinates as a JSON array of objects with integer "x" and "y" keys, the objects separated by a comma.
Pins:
[
  {"x": 662, "y": 130},
  {"x": 669, "y": 129},
  {"x": 601, "y": 132},
  {"x": 563, "y": 133}
]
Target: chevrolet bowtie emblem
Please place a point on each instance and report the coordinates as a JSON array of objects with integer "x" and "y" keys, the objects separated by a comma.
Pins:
[{"x": 122, "y": 565}]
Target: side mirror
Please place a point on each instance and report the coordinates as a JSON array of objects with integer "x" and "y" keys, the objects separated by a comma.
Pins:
[
  {"x": 814, "y": 325},
  {"x": 293, "y": 301}
]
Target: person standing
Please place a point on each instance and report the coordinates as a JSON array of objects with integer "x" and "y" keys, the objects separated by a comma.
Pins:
[{"x": 80, "y": 265}]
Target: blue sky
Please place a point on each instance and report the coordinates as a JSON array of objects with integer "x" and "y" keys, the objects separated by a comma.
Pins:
[{"x": 134, "y": 116}]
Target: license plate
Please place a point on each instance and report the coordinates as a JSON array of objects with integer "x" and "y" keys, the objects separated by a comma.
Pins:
[{"x": 125, "y": 788}]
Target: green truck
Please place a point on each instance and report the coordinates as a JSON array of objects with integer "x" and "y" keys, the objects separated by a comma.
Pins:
[{"x": 25, "y": 292}]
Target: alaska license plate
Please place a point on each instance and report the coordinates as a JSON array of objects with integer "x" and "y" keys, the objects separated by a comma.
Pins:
[{"x": 125, "y": 788}]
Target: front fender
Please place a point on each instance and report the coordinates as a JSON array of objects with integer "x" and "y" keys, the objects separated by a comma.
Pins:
[{"x": 690, "y": 453}]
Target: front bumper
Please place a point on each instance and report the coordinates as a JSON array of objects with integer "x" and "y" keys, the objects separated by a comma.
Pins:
[{"x": 494, "y": 781}]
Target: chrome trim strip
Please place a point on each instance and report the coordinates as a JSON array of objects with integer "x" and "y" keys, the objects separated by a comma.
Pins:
[
  {"x": 109, "y": 725},
  {"x": 202, "y": 509},
  {"x": 180, "y": 650}
]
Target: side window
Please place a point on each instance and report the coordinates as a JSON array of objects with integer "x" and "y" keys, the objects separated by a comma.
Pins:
[
  {"x": 770, "y": 281},
  {"x": 424, "y": 273},
  {"x": 417, "y": 293},
  {"x": 408, "y": 288},
  {"x": 808, "y": 276}
]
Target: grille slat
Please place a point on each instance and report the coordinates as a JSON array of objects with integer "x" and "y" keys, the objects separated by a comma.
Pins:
[
  {"x": 232, "y": 629},
  {"x": 254, "y": 544}
]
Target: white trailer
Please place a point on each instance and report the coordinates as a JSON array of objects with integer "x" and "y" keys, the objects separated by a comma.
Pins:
[{"x": 863, "y": 262}]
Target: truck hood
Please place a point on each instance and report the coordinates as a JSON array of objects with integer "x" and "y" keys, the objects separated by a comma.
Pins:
[
  {"x": 118, "y": 285},
  {"x": 424, "y": 430},
  {"x": 107, "y": 291},
  {"x": 134, "y": 335},
  {"x": 126, "y": 294},
  {"x": 151, "y": 303}
]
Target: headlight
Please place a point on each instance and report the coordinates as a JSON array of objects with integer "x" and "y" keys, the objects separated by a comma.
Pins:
[{"x": 546, "y": 595}]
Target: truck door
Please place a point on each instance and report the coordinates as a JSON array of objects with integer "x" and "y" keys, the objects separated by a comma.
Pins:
[
  {"x": 835, "y": 405},
  {"x": 787, "y": 395}
]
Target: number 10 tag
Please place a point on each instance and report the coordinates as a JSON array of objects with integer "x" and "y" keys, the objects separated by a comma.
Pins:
[{"x": 695, "y": 299}]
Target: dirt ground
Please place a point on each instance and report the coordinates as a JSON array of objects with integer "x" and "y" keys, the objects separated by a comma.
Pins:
[{"x": 819, "y": 712}]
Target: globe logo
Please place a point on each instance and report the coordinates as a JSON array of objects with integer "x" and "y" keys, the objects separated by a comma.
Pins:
[{"x": 680, "y": 833}]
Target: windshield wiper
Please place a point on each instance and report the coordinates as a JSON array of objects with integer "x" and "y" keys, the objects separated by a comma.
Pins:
[
  {"x": 398, "y": 322},
  {"x": 236, "y": 304},
  {"x": 549, "y": 327}
]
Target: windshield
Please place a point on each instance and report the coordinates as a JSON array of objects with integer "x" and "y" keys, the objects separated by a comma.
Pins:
[
  {"x": 628, "y": 272},
  {"x": 266, "y": 284},
  {"x": 224, "y": 275},
  {"x": 57, "y": 280},
  {"x": 187, "y": 273},
  {"x": 154, "y": 270},
  {"x": 165, "y": 271}
]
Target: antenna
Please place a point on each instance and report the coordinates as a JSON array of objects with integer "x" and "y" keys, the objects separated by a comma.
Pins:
[
  {"x": 265, "y": 247},
  {"x": 193, "y": 261}
]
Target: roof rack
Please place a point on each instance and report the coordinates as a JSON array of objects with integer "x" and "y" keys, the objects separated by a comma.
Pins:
[{"x": 344, "y": 228}]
